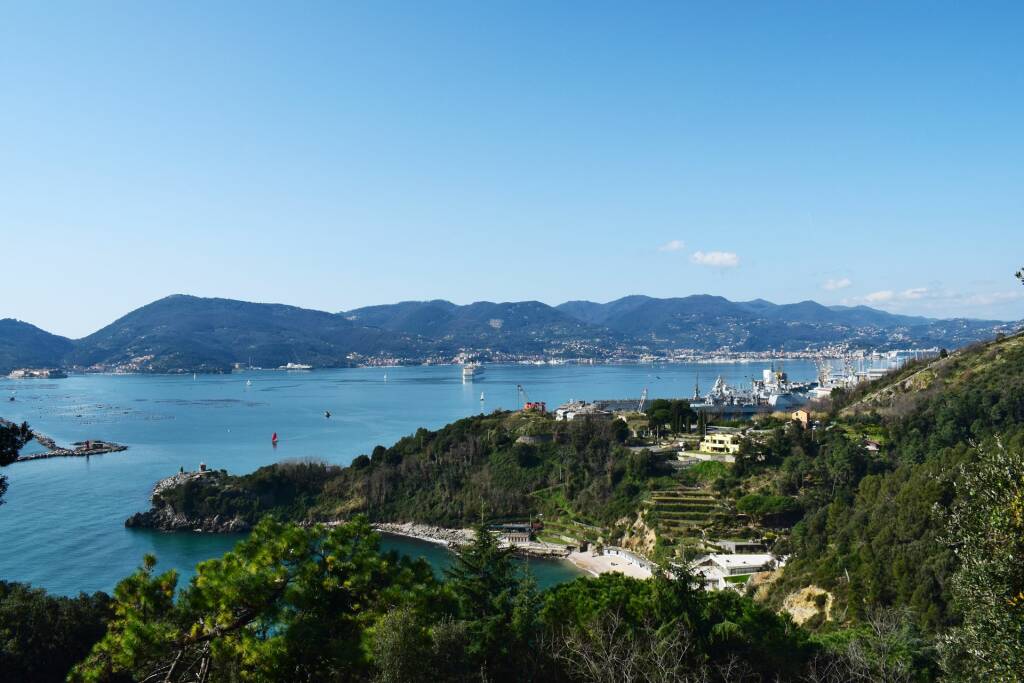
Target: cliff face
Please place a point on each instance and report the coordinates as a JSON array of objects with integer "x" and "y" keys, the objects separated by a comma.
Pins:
[{"x": 169, "y": 514}]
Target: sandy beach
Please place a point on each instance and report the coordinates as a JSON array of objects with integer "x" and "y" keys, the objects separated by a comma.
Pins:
[{"x": 602, "y": 564}]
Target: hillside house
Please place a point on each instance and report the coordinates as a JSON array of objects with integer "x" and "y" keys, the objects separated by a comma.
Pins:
[
  {"x": 721, "y": 442},
  {"x": 721, "y": 571}
]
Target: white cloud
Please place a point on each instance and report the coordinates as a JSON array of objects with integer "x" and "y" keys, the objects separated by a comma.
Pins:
[
  {"x": 879, "y": 297},
  {"x": 915, "y": 293},
  {"x": 673, "y": 245},
  {"x": 942, "y": 302},
  {"x": 716, "y": 259},
  {"x": 834, "y": 284}
]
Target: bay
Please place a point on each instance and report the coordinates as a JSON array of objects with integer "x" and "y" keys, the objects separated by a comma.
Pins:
[{"x": 62, "y": 524}]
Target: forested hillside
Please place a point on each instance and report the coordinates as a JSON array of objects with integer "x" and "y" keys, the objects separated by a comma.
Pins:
[
  {"x": 878, "y": 539},
  {"x": 24, "y": 345},
  {"x": 498, "y": 466}
]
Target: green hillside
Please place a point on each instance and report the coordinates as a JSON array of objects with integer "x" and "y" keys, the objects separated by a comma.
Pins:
[
  {"x": 881, "y": 538},
  {"x": 498, "y": 466},
  {"x": 901, "y": 512}
]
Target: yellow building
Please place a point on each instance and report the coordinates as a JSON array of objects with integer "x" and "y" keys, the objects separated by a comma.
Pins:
[
  {"x": 718, "y": 442},
  {"x": 801, "y": 416}
]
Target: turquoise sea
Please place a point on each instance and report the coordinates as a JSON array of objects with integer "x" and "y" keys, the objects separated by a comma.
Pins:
[{"x": 62, "y": 525}]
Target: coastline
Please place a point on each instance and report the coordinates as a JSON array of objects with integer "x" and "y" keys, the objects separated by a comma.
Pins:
[
  {"x": 588, "y": 564},
  {"x": 427, "y": 533}
]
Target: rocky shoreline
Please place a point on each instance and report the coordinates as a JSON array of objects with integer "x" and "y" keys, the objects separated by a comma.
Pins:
[
  {"x": 163, "y": 517},
  {"x": 425, "y": 532},
  {"x": 166, "y": 520},
  {"x": 453, "y": 538}
]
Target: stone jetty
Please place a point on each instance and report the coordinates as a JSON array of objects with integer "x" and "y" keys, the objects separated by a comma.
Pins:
[{"x": 77, "y": 449}]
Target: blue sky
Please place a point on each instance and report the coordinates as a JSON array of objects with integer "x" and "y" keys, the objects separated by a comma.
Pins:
[{"x": 333, "y": 155}]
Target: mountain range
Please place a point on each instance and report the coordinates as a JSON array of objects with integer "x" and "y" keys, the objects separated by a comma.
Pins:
[{"x": 182, "y": 333}]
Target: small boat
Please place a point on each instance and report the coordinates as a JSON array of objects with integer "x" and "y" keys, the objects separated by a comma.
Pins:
[
  {"x": 327, "y": 413},
  {"x": 248, "y": 382},
  {"x": 385, "y": 377},
  {"x": 481, "y": 397},
  {"x": 273, "y": 438}
]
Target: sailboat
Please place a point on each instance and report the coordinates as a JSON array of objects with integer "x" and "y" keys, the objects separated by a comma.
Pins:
[
  {"x": 481, "y": 397},
  {"x": 248, "y": 382},
  {"x": 385, "y": 377}
]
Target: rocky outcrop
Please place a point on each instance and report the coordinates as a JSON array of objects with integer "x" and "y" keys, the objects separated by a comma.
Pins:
[
  {"x": 639, "y": 536},
  {"x": 426, "y": 532},
  {"x": 164, "y": 515},
  {"x": 808, "y": 603},
  {"x": 165, "y": 519}
]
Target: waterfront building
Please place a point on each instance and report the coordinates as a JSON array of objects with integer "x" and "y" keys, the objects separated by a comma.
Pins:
[{"x": 513, "y": 533}]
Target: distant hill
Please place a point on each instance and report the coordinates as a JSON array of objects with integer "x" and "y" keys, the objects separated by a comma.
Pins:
[
  {"x": 25, "y": 345},
  {"x": 187, "y": 333},
  {"x": 518, "y": 327},
  {"x": 710, "y": 322},
  {"x": 183, "y": 333}
]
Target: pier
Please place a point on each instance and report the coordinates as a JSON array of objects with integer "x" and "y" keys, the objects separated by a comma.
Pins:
[
  {"x": 77, "y": 449},
  {"x": 80, "y": 449}
]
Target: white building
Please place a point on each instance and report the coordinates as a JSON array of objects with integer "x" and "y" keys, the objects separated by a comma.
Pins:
[{"x": 720, "y": 571}]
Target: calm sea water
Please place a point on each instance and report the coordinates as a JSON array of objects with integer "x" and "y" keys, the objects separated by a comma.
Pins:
[{"x": 62, "y": 527}]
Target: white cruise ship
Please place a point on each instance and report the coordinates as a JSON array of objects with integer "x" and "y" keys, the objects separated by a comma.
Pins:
[
  {"x": 471, "y": 372},
  {"x": 296, "y": 366}
]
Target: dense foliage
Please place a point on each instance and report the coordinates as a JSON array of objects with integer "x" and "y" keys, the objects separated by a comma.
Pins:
[
  {"x": 12, "y": 439},
  {"x": 316, "y": 604},
  {"x": 874, "y": 528},
  {"x": 498, "y": 466},
  {"x": 42, "y": 636},
  {"x": 987, "y": 534}
]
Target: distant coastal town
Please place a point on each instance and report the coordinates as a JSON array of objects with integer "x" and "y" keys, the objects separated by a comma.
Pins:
[{"x": 868, "y": 360}]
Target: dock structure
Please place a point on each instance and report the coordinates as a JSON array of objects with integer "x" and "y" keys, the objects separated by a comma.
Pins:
[
  {"x": 77, "y": 449},
  {"x": 81, "y": 449}
]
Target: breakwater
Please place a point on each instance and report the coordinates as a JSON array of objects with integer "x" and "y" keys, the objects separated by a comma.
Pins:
[{"x": 77, "y": 449}]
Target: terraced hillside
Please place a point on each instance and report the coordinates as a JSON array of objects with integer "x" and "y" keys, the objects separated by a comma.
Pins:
[{"x": 681, "y": 516}]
